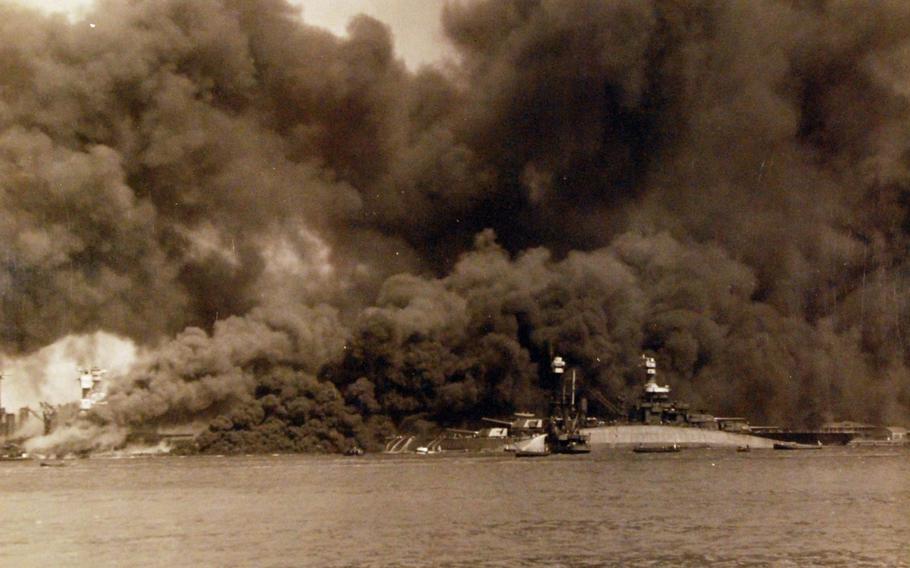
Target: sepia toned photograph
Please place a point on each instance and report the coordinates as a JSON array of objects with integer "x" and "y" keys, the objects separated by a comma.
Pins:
[{"x": 455, "y": 283}]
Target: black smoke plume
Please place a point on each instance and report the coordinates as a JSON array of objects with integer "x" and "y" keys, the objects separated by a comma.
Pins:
[{"x": 318, "y": 227}]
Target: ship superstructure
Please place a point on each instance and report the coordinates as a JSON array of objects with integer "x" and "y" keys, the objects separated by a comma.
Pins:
[
  {"x": 655, "y": 406},
  {"x": 567, "y": 419},
  {"x": 7, "y": 419},
  {"x": 93, "y": 389}
]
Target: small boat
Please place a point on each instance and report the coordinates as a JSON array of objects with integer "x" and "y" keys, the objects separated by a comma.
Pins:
[
  {"x": 536, "y": 447},
  {"x": 644, "y": 449},
  {"x": 53, "y": 464},
  {"x": 744, "y": 449},
  {"x": 354, "y": 451}
]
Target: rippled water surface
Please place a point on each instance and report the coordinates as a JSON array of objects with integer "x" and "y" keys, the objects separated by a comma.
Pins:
[{"x": 834, "y": 507}]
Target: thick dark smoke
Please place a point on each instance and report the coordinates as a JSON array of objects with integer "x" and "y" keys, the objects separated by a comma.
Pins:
[{"x": 338, "y": 242}]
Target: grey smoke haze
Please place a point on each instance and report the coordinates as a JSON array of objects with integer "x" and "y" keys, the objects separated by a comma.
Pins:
[{"x": 724, "y": 183}]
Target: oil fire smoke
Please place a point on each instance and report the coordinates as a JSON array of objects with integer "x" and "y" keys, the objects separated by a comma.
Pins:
[{"x": 313, "y": 244}]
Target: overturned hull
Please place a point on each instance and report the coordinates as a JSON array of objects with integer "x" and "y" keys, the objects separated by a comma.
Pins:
[
  {"x": 618, "y": 436},
  {"x": 632, "y": 435}
]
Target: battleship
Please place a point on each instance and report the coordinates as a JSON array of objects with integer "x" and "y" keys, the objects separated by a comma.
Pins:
[
  {"x": 92, "y": 393},
  {"x": 654, "y": 421},
  {"x": 525, "y": 434},
  {"x": 566, "y": 419},
  {"x": 657, "y": 422}
]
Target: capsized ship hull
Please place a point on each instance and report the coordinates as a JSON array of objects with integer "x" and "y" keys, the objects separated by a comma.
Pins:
[
  {"x": 631, "y": 435},
  {"x": 601, "y": 437}
]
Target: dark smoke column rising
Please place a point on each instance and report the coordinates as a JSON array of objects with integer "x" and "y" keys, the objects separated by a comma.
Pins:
[{"x": 725, "y": 183}]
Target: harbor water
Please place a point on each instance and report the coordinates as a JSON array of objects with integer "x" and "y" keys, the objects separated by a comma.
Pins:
[{"x": 833, "y": 507}]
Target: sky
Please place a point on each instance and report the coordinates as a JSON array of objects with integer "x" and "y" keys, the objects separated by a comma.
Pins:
[{"x": 414, "y": 23}]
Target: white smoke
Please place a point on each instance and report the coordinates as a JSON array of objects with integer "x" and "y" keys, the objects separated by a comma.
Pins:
[{"x": 50, "y": 374}]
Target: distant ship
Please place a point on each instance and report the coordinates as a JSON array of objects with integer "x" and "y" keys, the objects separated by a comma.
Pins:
[
  {"x": 657, "y": 421},
  {"x": 560, "y": 433},
  {"x": 501, "y": 436},
  {"x": 566, "y": 419}
]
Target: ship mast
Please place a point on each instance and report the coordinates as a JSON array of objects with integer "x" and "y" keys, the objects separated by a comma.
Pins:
[
  {"x": 573, "y": 389},
  {"x": 3, "y": 428},
  {"x": 565, "y": 435},
  {"x": 3, "y": 375}
]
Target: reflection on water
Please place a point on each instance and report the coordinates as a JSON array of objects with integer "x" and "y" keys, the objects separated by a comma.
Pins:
[{"x": 835, "y": 507}]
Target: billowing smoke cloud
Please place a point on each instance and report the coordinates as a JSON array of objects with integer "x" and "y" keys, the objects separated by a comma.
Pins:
[
  {"x": 196, "y": 372},
  {"x": 724, "y": 183}
]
